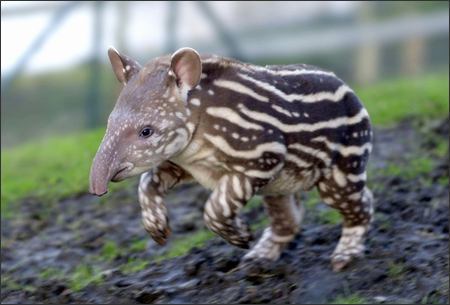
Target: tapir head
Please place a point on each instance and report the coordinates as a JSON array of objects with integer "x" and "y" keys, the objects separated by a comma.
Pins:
[{"x": 148, "y": 124}]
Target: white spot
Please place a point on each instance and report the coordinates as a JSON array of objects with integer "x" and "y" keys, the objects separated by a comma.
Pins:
[
  {"x": 239, "y": 168},
  {"x": 210, "y": 92},
  {"x": 195, "y": 102},
  {"x": 328, "y": 200},
  {"x": 190, "y": 127},
  {"x": 355, "y": 196},
  {"x": 179, "y": 115},
  {"x": 235, "y": 135}
]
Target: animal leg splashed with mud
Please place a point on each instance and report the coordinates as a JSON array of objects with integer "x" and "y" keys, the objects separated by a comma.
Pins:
[{"x": 239, "y": 130}]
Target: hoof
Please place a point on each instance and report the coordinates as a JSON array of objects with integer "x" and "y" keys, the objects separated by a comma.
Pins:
[
  {"x": 242, "y": 240},
  {"x": 160, "y": 236},
  {"x": 236, "y": 233},
  {"x": 340, "y": 261}
]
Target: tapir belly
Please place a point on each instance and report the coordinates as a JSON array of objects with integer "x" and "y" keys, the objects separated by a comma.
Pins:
[{"x": 290, "y": 181}]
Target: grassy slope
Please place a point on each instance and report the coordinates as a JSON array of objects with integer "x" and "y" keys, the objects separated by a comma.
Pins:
[
  {"x": 393, "y": 100},
  {"x": 59, "y": 167}
]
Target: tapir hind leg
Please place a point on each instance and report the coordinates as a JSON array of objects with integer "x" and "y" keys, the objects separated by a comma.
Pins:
[
  {"x": 354, "y": 201},
  {"x": 285, "y": 214}
]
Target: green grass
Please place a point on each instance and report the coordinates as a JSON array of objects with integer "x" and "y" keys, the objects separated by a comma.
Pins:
[
  {"x": 443, "y": 181},
  {"x": 51, "y": 273},
  {"x": 134, "y": 265},
  {"x": 391, "y": 101},
  {"x": 48, "y": 170},
  {"x": 183, "y": 245},
  {"x": 395, "y": 270},
  {"x": 416, "y": 166},
  {"x": 442, "y": 148},
  {"x": 312, "y": 199},
  {"x": 350, "y": 299},
  {"x": 10, "y": 283},
  {"x": 177, "y": 247},
  {"x": 262, "y": 223},
  {"x": 110, "y": 251},
  {"x": 84, "y": 275},
  {"x": 138, "y": 245},
  {"x": 253, "y": 203},
  {"x": 329, "y": 216},
  {"x": 58, "y": 167}
]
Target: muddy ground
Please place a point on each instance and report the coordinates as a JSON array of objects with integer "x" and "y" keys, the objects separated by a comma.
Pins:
[{"x": 75, "y": 251}]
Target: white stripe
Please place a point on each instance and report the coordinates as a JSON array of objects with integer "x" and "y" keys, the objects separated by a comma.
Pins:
[
  {"x": 238, "y": 87},
  {"x": 333, "y": 123},
  {"x": 248, "y": 189},
  {"x": 237, "y": 187},
  {"x": 263, "y": 174},
  {"x": 293, "y": 72},
  {"x": 306, "y": 98},
  {"x": 279, "y": 238},
  {"x": 232, "y": 116},
  {"x": 356, "y": 230},
  {"x": 357, "y": 178},
  {"x": 344, "y": 150},
  {"x": 339, "y": 177},
  {"x": 256, "y": 152},
  {"x": 209, "y": 210},
  {"x": 223, "y": 197},
  {"x": 249, "y": 68},
  {"x": 281, "y": 110},
  {"x": 299, "y": 162},
  {"x": 311, "y": 151}
]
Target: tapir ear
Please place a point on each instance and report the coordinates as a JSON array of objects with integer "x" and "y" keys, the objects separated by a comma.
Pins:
[
  {"x": 124, "y": 67},
  {"x": 187, "y": 67}
]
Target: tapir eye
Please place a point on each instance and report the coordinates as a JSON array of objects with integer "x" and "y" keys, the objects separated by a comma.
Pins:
[{"x": 146, "y": 132}]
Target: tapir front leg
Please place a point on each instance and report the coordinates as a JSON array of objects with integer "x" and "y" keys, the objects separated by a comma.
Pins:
[
  {"x": 222, "y": 208},
  {"x": 152, "y": 188}
]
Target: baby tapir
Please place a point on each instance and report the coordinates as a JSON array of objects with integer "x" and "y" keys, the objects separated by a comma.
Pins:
[{"x": 239, "y": 130}]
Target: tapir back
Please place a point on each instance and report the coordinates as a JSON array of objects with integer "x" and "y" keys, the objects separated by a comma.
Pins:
[{"x": 305, "y": 120}]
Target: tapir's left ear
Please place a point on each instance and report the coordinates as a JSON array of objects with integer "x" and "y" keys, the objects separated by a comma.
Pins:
[
  {"x": 124, "y": 67},
  {"x": 187, "y": 67}
]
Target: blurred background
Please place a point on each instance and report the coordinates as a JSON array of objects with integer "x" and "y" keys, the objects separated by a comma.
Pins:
[{"x": 56, "y": 79}]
